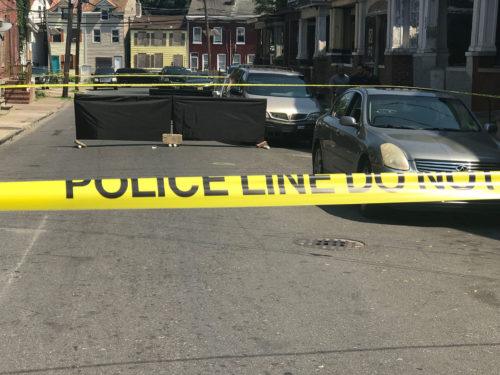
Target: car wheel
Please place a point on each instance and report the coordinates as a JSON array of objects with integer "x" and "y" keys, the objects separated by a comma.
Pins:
[
  {"x": 94, "y": 88},
  {"x": 116, "y": 88},
  {"x": 370, "y": 211},
  {"x": 318, "y": 161}
]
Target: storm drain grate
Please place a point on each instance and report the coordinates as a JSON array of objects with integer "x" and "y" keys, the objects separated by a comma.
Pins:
[{"x": 330, "y": 243}]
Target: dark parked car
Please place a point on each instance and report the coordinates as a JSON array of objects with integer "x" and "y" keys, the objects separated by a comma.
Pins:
[
  {"x": 174, "y": 74},
  {"x": 136, "y": 75},
  {"x": 397, "y": 130},
  {"x": 104, "y": 75},
  {"x": 41, "y": 75}
]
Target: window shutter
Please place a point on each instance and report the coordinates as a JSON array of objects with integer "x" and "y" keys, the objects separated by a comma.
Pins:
[
  {"x": 135, "y": 39},
  {"x": 158, "y": 60},
  {"x": 80, "y": 36},
  {"x": 171, "y": 39},
  {"x": 148, "y": 38},
  {"x": 51, "y": 37},
  {"x": 135, "y": 61},
  {"x": 183, "y": 39},
  {"x": 164, "y": 39},
  {"x": 62, "y": 35},
  {"x": 74, "y": 61}
]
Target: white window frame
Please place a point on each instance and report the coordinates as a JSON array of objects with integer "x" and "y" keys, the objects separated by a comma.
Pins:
[
  {"x": 104, "y": 11},
  {"x": 194, "y": 55},
  {"x": 112, "y": 36},
  {"x": 244, "y": 36},
  {"x": 219, "y": 29},
  {"x": 196, "y": 28},
  {"x": 234, "y": 62},
  {"x": 94, "y": 35},
  {"x": 204, "y": 58},
  {"x": 225, "y": 61},
  {"x": 248, "y": 58}
]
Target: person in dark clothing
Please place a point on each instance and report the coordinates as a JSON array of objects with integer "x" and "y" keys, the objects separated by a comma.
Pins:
[{"x": 359, "y": 78}]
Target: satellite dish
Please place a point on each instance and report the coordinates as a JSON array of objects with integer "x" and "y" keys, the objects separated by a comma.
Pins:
[{"x": 4, "y": 26}]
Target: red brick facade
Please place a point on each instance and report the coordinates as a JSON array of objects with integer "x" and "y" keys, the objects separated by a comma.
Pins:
[
  {"x": 9, "y": 46},
  {"x": 228, "y": 47}
]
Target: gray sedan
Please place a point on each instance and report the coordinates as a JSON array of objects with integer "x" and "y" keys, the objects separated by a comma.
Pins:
[{"x": 397, "y": 130}]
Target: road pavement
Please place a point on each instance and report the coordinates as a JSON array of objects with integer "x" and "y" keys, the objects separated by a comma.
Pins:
[{"x": 231, "y": 291}]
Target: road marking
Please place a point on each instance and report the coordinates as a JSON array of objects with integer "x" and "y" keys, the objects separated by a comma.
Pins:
[{"x": 12, "y": 273}]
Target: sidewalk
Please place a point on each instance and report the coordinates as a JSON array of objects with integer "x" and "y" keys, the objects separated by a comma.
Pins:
[{"x": 22, "y": 117}]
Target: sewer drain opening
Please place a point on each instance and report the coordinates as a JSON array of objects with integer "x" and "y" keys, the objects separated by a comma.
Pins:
[{"x": 330, "y": 243}]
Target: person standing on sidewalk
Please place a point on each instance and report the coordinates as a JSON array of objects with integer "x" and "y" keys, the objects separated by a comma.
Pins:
[{"x": 339, "y": 78}]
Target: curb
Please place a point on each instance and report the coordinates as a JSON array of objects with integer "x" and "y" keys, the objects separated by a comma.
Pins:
[{"x": 31, "y": 125}]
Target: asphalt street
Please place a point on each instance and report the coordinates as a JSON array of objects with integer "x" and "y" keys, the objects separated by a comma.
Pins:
[{"x": 233, "y": 291}]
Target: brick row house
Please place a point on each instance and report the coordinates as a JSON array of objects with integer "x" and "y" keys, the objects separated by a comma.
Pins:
[
  {"x": 103, "y": 29},
  {"x": 232, "y": 38},
  {"x": 442, "y": 44},
  {"x": 158, "y": 41},
  {"x": 9, "y": 40}
]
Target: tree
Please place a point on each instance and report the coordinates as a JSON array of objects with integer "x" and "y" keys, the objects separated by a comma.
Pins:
[
  {"x": 168, "y": 7},
  {"x": 268, "y": 6}
]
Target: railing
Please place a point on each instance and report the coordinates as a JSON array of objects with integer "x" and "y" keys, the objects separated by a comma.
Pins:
[{"x": 22, "y": 73}]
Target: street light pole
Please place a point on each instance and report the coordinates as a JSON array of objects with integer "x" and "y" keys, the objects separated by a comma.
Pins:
[{"x": 67, "y": 57}]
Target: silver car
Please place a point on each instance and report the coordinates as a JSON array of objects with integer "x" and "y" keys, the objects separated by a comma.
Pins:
[
  {"x": 291, "y": 110},
  {"x": 397, "y": 130}
]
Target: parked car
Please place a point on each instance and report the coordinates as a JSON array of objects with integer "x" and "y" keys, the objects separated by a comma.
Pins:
[
  {"x": 402, "y": 130},
  {"x": 139, "y": 76},
  {"x": 174, "y": 74},
  {"x": 104, "y": 75},
  {"x": 40, "y": 74},
  {"x": 202, "y": 81},
  {"x": 291, "y": 110}
]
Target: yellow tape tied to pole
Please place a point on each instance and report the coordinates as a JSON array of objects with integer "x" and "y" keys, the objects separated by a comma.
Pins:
[{"x": 247, "y": 191}]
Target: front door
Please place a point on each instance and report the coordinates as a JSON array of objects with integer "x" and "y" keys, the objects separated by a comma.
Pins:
[
  {"x": 55, "y": 64},
  {"x": 117, "y": 60},
  {"x": 178, "y": 60}
]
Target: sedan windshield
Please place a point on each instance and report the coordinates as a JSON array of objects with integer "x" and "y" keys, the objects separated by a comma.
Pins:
[
  {"x": 420, "y": 112},
  {"x": 101, "y": 71},
  {"x": 276, "y": 90}
]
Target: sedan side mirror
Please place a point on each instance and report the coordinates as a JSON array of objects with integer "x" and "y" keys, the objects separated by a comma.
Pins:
[
  {"x": 348, "y": 121},
  {"x": 235, "y": 90},
  {"x": 491, "y": 128}
]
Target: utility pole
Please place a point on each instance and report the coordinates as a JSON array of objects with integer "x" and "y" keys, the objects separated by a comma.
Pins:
[
  {"x": 67, "y": 57},
  {"x": 207, "y": 28},
  {"x": 77, "y": 52},
  {"x": 47, "y": 35}
]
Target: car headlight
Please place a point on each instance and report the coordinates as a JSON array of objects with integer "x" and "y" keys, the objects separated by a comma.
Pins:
[
  {"x": 96, "y": 80},
  {"x": 268, "y": 115},
  {"x": 313, "y": 116},
  {"x": 165, "y": 79},
  {"x": 393, "y": 157},
  {"x": 113, "y": 79}
]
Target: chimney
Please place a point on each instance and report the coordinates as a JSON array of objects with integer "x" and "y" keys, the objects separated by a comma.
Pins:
[{"x": 138, "y": 10}]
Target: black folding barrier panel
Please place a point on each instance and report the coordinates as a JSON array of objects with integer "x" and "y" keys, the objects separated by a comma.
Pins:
[
  {"x": 188, "y": 90},
  {"x": 127, "y": 118},
  {"x": 220, "y": 119}
]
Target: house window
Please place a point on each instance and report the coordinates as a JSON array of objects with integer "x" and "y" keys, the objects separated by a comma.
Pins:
[
  {"x": 141, "y": 60},
  {"x": 58, "y": 37},
  {"x": 205, "y": 61},
  {"x": 158, "y": 39},
  {"x": 236, "y": 59},
  {"x": 74, "y": 35},
  {"x": 250, "y": 58},
  {"x": 217, "y": 35},
  {"x": 158, "y": 63},
  {"x": 104, "y": 15},
  {"x": 141, "y": 39},
  {"x": 193, "y": 62},
  {"x": 97, "y": 35},
  {"x": 221, "y": 61},
  {"x": 196, "y": 35},
  {"x": 115, "y": 36},
  {"x": 240, "y": 35},
  {"x": 177, "y": 39}
]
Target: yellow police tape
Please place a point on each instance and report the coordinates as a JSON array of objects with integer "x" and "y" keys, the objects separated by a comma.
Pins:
[
  {"x": 212, "y": 84},
  {"x": 248, "y": 191}
]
